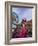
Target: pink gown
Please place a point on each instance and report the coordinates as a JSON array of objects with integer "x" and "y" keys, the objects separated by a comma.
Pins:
[{"x": 23, "y": 32}]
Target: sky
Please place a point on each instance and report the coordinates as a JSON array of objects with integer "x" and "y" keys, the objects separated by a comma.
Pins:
[{"x": 23, "y": 13}]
